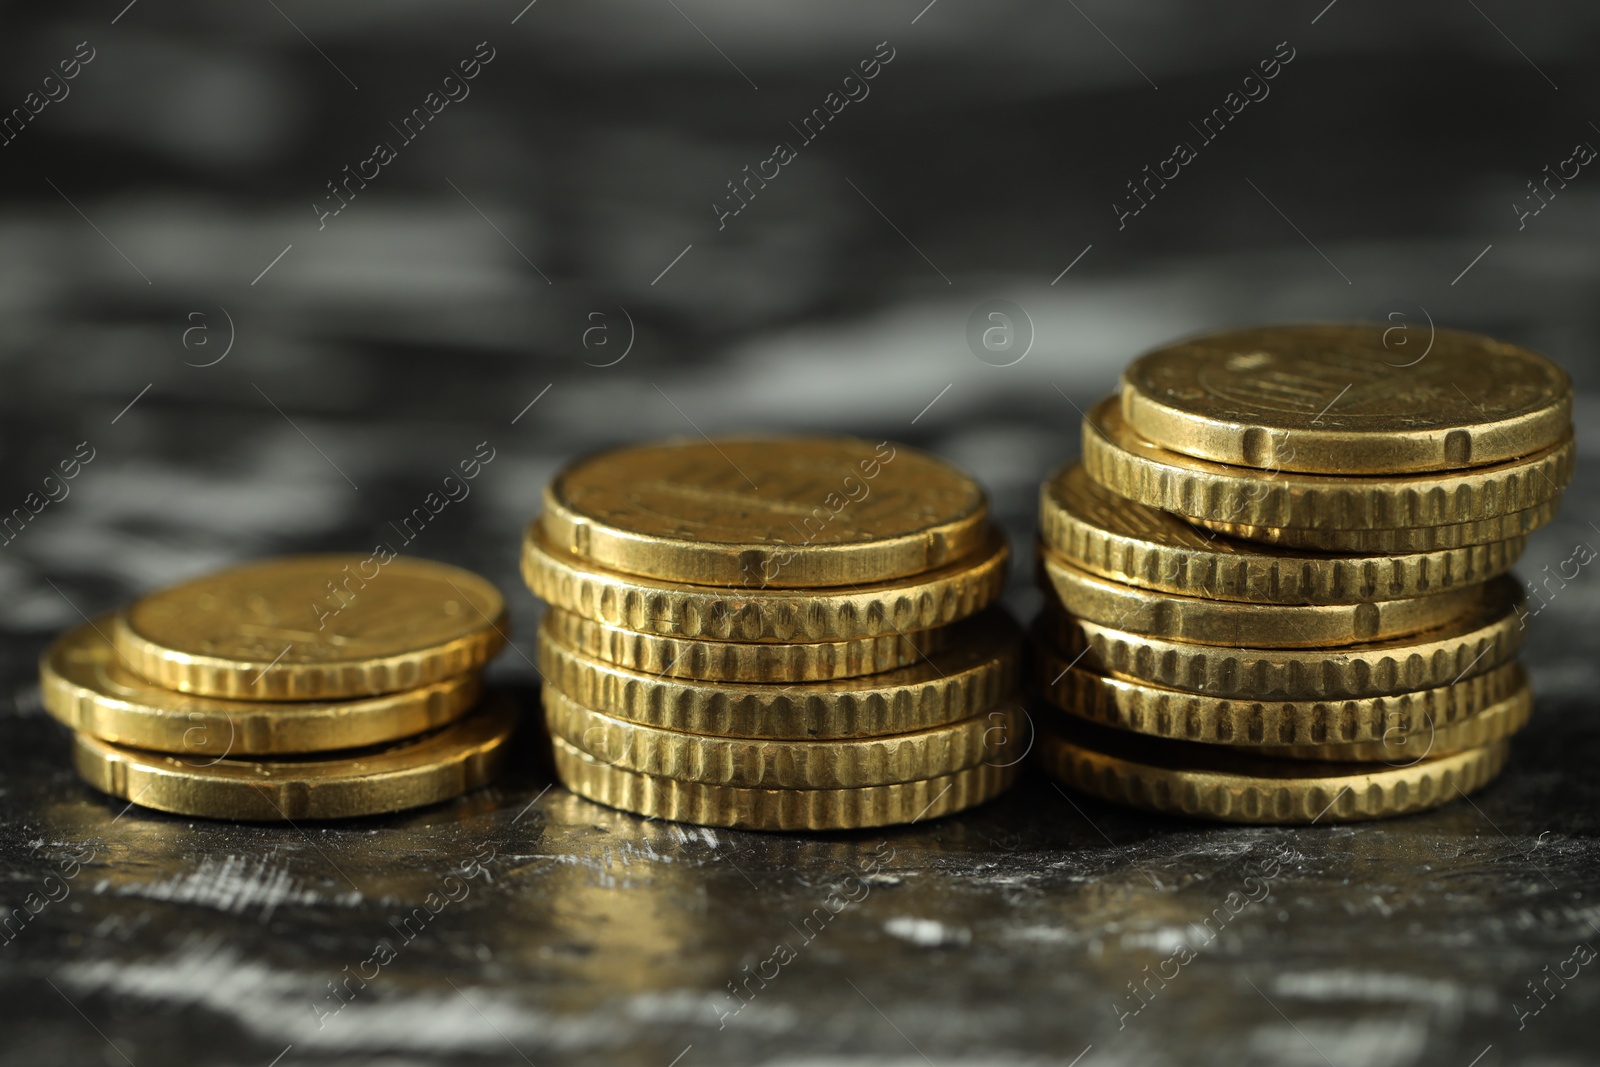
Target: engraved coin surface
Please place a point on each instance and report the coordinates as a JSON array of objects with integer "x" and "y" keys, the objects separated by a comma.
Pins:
[
  {"x": 1234, "y": 785},
  {"x": 1246, "y": 721},
  {"x": 1198, "y": 489},
  {"x": 764, "y": 763},
  {"x": 778, "y": 809},
  {"x": 1118, "y": 539},
  {"x": 1485, "y": 638},
  {"x": 87, "y": 684},
  {"x": 1224, "y": 622},
  {"x": 980, "y": 666},
  {"x": 314, "y": 628},
  {"x": 757, "y": 513},
  {"x": 439, "y": 766},
  {"x": 678, "y": 609},
  {"x": 1333, "y": 399}
]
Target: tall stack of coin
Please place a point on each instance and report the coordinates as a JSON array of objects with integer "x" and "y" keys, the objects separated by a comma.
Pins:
[
  {"x": 1277, "y": 581},
  {"x": 299, "y": 688},
  {"x": 775, "y": 634}
]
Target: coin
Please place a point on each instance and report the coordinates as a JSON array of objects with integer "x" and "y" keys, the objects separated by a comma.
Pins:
[
  {"x": 1174, "y": 713},
  {"x": 754, "y": 513},
  {"x": 1198, "y": 489},
  {"x": 770, "y": 764},
  {"x": 314, "y": 628},
  {"x": 1488, "y": 637},
  {"x": 87, "y": 685},
  {"x": 1225, "y": 622},
  {"x": 980, "y": 665},
  {"x": 736, "y": 661},
  {"x": 778, "y": 809},
  {"x": 1115, "y": 538},
  {"x": 1339, "y": 400},
  {"x": 439, "y": 766},
  {"x": 1493, "y": 724},
  {"x": 1513, "y": 527},
  {"x": 1229, "y": 785},
  {"x": 676, "y": 609}
]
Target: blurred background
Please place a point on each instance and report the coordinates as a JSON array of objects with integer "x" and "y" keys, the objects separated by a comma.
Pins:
[{"x": 280, "y": 265}]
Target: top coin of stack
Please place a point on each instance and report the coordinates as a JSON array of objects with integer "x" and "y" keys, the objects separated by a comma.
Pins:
[
  {"x": 1369, "y": 502},
  {"x": 774, "y": 633},
  {"x": 304, "y": 687}
]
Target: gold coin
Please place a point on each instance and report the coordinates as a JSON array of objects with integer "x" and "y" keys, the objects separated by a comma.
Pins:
[
  {"x": 439, "y": 766},
  {"x": 1491, "y": 725},
  {"x": 771, "y": 764},
  {"x": 1198, "y": 489},
  {"x": 980, "y": 666},
  {"x": 1225, "y": 784},
  {"x": 314, "y": 628},
  {"x": 1246, "y": 721},
  {"x": 778, "y": 809},
  {"x": 1230, "y": 622},
  {"x": 673, "y": 609},
  {"x": 738, "y": 661},
  {"x": 792, "y": 512},
  {"x": 1488, "y": 637},
  {"x": 1126, "y": 542},
  {"x": 1339, "y": 400},
  {"x": 1513, "y": 527},
  {"x": 87, "y": 685}
]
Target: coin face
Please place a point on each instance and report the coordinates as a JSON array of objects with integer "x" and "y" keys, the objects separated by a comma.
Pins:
[
  {"x": 1335, "y": 399},
  {"x": 306, "y": 627},
  {"x": 777, "y": 512}
]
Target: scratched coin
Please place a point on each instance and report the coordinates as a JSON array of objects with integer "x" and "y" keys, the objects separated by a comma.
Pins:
[
  {"x": 1336, "y": 399},
  {"x": 773, "y": 512},
  {"x": 314, "y": 628},
  {"x": 87, "y": 685}
]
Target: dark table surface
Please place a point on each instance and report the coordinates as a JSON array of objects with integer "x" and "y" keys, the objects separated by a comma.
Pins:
[{"x": 508, "y": 257}]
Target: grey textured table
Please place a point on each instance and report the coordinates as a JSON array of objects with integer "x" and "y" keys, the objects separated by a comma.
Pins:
[{"x": 454, "y": 302}]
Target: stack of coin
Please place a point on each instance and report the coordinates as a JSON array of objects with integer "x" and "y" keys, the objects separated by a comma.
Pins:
[
  {"x": 775, "y": 634},
  {"x": 310, "y": 687},
  {"x": 1277, "y": 584}
]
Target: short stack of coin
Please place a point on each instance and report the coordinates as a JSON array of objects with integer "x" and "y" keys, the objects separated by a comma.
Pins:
[
  {"x": 775, "y": 634},
  {"x": 1277, "y": 582},
  {"x": 309, "y": 687}
]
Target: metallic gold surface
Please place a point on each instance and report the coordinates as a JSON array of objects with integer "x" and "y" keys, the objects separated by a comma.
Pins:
[
  {"x": 1198, "y": 489},
  {"x": 1337, "y": 400},
  {"x": 757, "y": 513},
  {"x": 778, "y": 809},
  {"x": 1513, "y": 527},
  {"x": 87, "y": 685},
  {"x": 1487, "y": 638},
  {"x": 314, "y": 628},
  {"x": 674, "y": 609},
  {"x": 440, "y": 766},
  {"x": 1174, "y": 713},
  {"x": 1230, "y": 785},
  {"x": 994, "y": 735},
  {"x": 734, "y": 661},
  {"x": 980, "y": 665},
  {"x": 1491, "y": 725},
  {"x": 1118, "y": 539},
  {"x": 1226, "y": 622}
]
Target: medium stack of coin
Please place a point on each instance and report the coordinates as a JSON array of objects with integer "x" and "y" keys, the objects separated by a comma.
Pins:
[
  {"x": 1277, "y": 585},
  {"x": 775, "y": 634},
  {"x": 309, "y": 687}
]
